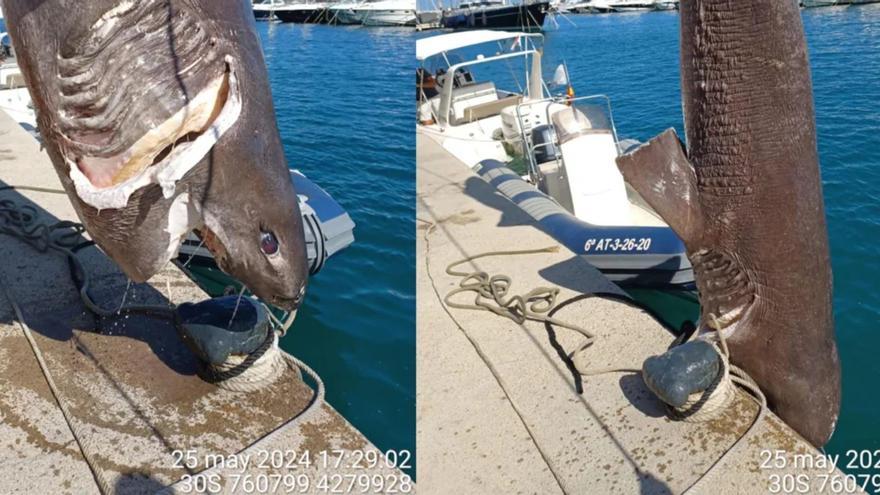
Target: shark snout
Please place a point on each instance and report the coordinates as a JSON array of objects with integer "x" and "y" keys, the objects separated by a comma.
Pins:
[{"x": 290, "y": 302}]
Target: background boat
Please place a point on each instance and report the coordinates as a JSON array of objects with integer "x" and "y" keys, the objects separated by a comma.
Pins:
[
  {"x": 344, "y": 13},
  {"x": 492, "y": 14},
  {"x": 388, "y": 13},
  {"x": 612, "y": 6},
  {"x": 429, "y": 16},
  {"x": 264, "y": 10},
  {"x": 302, "y": 13},
  {"x": 630, "y": 5}
]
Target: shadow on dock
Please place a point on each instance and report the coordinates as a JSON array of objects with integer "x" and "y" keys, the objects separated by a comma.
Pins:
[
  {"x": 108, "y": 287},
  {"x": 129, "y": 381}
]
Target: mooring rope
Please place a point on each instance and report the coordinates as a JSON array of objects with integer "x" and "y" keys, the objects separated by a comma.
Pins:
[
  {"x": 20, "y": 221},
  {"x": 82, "y": 440},
  {"x": 249, "y": 373},
  {"x": 491, "y": 294},
  {"x": 739, "y": 377}
]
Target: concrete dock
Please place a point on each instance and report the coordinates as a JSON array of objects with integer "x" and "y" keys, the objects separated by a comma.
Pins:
[
  {"x": 142, "y": 415},
  {"x": 498, "y": 410}
]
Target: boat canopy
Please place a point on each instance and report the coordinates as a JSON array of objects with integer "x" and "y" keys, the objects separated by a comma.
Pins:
[{"x": 435, "y": 45}]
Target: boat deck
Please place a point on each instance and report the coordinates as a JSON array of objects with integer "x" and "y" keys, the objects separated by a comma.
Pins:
[
  {"x": 139, "y": 409},
  {"x": 498, "y": 408}
]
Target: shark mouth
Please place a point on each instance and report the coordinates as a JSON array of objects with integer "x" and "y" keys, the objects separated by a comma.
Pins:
[{"x": 165, "y": 153}]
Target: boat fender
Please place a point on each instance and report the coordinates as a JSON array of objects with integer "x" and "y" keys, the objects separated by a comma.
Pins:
[
  {"x": 319, "y": 241},
  {"x": 681, "y": 371}
]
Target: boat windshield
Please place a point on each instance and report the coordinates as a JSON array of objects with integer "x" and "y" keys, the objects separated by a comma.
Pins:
[{"x": 568, "y": 119}]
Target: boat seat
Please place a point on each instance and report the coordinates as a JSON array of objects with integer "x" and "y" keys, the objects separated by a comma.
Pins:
[
  {"x": 489, "y": 109},
  {"x": 469, "y": 96},
  {"x": 13, "y": 81},
  {"x": 589, "y": 153}
]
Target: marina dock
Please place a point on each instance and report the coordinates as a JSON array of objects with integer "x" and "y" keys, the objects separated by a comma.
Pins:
[
  {"x": 498, "y": 409},
  {"x": 139, "y": 419}
]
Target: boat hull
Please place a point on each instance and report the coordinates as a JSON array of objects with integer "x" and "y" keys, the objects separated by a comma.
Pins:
[
  {"x": 343, "y": 16},
  {"x": 429, "y": 16},
  {"x": 523, "y": 17},
  {"x": 263, "y": 15},
  {"x": 389, "y": 18},
  {"x": 302, "y": 16},
  {"x": 639, "y": 8},
  {"x": 632, "y": 256},
  {"x": 663, "y": 6}
]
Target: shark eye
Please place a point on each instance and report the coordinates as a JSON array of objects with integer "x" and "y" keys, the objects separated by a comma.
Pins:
[{"x": 268, "y": 243}]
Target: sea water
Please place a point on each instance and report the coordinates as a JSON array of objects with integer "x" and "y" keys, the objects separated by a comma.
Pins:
[{"x": 344, "y": 102}]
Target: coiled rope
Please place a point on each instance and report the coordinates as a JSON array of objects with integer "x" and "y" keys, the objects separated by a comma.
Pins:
[
  {"x": 491, "y": 294},
  {"x": 249, "y": 373},
  {"x": 20, "y": 221}
]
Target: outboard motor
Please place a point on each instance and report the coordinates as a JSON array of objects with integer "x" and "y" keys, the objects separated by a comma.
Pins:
[
  {"x": 5, "y": 46},
  {"x": 552, "y": 179},
  {"x": 544, "y": 144}
]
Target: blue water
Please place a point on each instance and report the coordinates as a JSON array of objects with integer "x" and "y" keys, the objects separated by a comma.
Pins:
[
  {"x": 343, "y": 98},
  {"x": 634, "y": 59}
]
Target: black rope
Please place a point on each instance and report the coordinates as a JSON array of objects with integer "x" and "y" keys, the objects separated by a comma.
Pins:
[
  {"x": 622, "y": 298},
  {"x": 19, "y": 220}
]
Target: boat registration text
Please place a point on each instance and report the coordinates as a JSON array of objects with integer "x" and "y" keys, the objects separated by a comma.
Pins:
[{"x": 612, "y": 244}]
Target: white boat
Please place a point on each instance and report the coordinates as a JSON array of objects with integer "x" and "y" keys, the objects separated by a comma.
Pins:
[
  {"x": 264, "y": 10},
  {"x": 818, "y": 3},
  {"x": 593, "y": 7},
  {"x": 429, "y": 17},
  {"x": 630, "y": 5},
  {"x": 566, "y": 146},
  {"x": 582, "y": 7},
  {"x": 344, "y": 13},
  {"x": 388, "y": 13},
  {"x": 665, "y": 4}
]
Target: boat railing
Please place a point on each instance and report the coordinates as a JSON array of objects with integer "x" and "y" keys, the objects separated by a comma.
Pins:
[
  {"x": 447, "y": 84},
  {"x": 528, "y": 146}
]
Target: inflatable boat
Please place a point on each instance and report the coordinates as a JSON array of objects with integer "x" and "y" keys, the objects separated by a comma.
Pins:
[
  {"x": 638, "y": 256},
  {"x": 552, "y": 155},
  {"x": 328, "y": 228}
]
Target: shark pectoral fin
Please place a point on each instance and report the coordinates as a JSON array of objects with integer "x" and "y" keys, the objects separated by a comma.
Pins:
[{"x": 661, "y": 172}]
